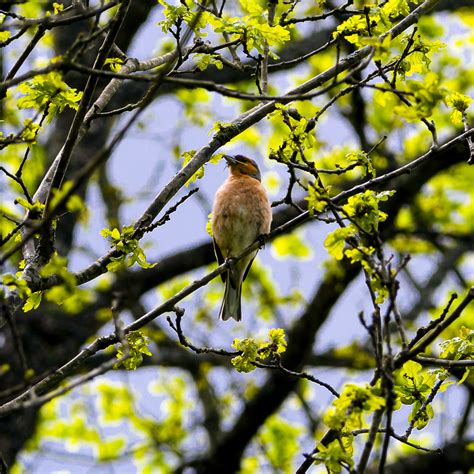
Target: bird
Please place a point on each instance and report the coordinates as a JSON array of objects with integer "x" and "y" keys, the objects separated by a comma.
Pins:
[{"x": 241, "y": 214}]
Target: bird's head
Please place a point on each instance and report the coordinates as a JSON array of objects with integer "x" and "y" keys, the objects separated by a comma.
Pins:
[{"x": 240, "y": 164}]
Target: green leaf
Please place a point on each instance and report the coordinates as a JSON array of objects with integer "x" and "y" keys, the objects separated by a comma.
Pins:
[
  {"x": 58, "y": 8},
  {"x": 457, "y": 348},
  {"x": 188, "y": 156},
  {"x": 355, "y": 400},
  {"x": 176, "y": 14},
  {"x": 245, "y": 361},
  {"x": 423, "y": 416},
  {"x": 251, "y": 7},
  {"x": 4, "y": 35},
  {"x": 317, "y": 199},
  {"x": 48, "y": 88},
  {"x": 363, "y": 208},
  {"x": 33, "y": 301},
  {"x": 427, "y": 95},
  {"x": 395, "y": 8},
  {"x": 352, "y": 29},
  {"x": 458, "y": 101},
  {"x": 30, "y": 130},
  {"x": 105, "y": 233},
  {"x": 277, "y": 340},
  {"x": 203, "y": 61},
  {"x": 116, "y": 264},
  {"x": 465, "y": 376},
  {"x": 115, "y": 234},
  {"x": 35, "y": 207},
  {"x": 129, "y": 247},
  {"x": 333, "y": 456},
  {"x": 21, "y": 286},
  {"x": 253, "y": 29},
  {"x": 115, "y": 64},
  {"x": 336, "y": 241},
  {"x": 363, "y": 160},
  {"x": 137, "y": 344}
]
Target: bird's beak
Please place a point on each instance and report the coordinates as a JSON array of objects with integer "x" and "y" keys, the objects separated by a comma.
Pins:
[{"x": 230, "y": 160}]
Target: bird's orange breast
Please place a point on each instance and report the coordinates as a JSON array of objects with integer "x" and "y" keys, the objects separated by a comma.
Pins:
[{"x": 240, "y": 214}]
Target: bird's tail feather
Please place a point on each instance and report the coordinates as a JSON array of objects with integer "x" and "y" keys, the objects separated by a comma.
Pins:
[{"x": 231, "y": 304}]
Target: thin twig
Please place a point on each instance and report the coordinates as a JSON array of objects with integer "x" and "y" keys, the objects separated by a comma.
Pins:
[
  {"x": 428, "y": 338},
  {"x": 184, "y": 341},
  {"x": 423, "y": 407},
  {"x": 447, "y": 363},
  {"x": 301, "y": 375},
  {"x": 166, "y": 217},
  {"x": 364, "y": 459},
  {"x": 398, "y": 438}
]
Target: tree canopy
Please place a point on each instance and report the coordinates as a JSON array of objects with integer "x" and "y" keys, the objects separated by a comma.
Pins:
[{"x": 357, "y": 339}]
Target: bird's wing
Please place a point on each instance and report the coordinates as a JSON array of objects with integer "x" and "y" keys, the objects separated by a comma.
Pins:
[
  {"x": 220, "y": 258},
  {"x": 248, "y": 269}
]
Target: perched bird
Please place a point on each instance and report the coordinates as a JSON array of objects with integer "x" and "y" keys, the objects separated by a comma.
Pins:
[{"x": 240, "y": 215}]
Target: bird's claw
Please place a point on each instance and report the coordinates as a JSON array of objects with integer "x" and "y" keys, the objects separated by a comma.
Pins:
[{"x": 262, "y": 238}]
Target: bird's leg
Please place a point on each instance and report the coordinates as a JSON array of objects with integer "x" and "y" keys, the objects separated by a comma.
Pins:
[
  {"x": 231, "y": 262},
  {"x": 262, "y": 238}
]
